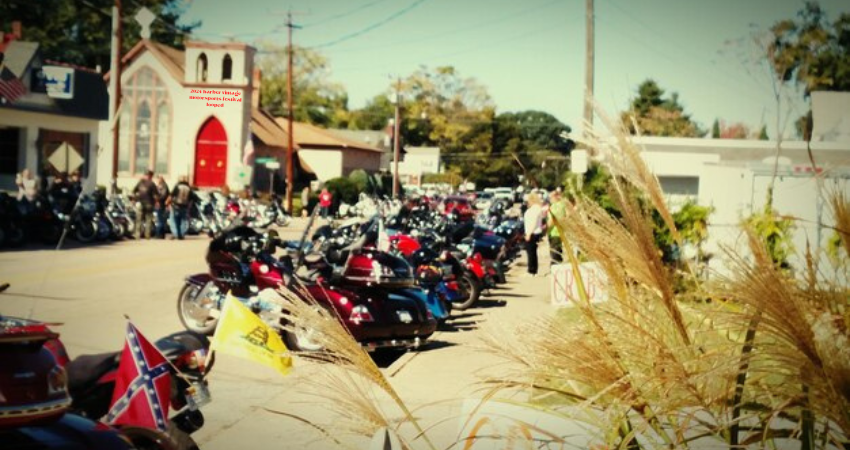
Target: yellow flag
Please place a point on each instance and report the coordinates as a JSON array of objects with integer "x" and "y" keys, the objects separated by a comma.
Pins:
[{"x": 241, "y": 333}]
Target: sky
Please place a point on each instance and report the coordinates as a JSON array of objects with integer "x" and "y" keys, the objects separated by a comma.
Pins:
[{"x": 530, "y": 54}]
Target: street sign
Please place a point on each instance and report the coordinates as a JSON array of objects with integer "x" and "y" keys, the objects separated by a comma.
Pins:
[
  {"x": 273, "y": 165},
  {"x": 59, "y": 81}
]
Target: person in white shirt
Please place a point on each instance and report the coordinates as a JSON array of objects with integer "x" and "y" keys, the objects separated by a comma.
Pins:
[{"x": 533, "y": 221}]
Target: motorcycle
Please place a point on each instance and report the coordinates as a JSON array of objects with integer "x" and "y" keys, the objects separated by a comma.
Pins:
[
  {"x": 241, "y": 261},
  {"x": 40, "y": 406}
]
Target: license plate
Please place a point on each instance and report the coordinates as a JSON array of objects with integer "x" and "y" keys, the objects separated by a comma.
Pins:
[
  {"x": 404, "y": 316},
  {"x": 198, "y": 395}
]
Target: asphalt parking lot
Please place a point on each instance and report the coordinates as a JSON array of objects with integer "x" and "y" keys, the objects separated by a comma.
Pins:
[{"x": 91, "y": 289}]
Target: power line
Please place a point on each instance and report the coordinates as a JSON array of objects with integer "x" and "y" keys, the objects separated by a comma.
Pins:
[
  {"x": 469, "y": 27},
  {"x": 375, "y": 25},
  {"x": 344, "y": 14}
]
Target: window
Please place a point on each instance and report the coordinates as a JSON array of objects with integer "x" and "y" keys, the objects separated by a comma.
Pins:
[
  {"x": 201, "y": 68},
  {"x": 9, "y": 143},
  {"x": 227, "y": 68},
  {"x": 144, "y": 125}
]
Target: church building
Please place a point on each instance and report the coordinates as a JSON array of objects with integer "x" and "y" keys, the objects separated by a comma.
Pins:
[{"x": 183, "y": 112}]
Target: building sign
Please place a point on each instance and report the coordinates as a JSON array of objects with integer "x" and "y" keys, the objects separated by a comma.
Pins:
[
  {"x": 564, "y": 288},
  {"x": 59, "y": 81}
]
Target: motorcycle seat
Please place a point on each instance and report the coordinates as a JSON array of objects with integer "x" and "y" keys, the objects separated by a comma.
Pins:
[
  {"x": 177, "y": 344},
  {"x": 84, "y": 371}
]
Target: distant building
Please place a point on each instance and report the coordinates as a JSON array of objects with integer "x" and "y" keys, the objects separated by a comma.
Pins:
[
  {"x": 416, "y": 162},
  {"x": 327, "y": 155},
  {"x": 182, "y": 113},
  {"x": 732, "y": 176},
  {"x": 47, "y": 134},
  {"x": 831, "y": 116},
  {"x": 373, "y": 138}
]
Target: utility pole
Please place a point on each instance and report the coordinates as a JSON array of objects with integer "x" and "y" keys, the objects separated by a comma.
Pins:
[
  {"x": 588, "y": 70},
  {"x": 396, "y": 128},
  {"x": 115, "y": 80},
  {"x": 289, "y": 148}
]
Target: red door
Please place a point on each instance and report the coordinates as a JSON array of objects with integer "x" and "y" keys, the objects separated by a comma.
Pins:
[{"x": 211, "y": 155}]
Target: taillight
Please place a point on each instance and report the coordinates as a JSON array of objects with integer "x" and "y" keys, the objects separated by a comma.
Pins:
[
  {"x": 57, "y": 381},
  {"x": 360, "y": 314},
  {"x": 477, "y": 257}
]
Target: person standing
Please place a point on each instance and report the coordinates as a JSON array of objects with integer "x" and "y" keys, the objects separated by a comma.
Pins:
[
  {"x": 27, "y": 188},
  {"x": 182, "y": 198},
  {"x": 557, "y": 211},
  {"x": 533, "y": 225},
  {"x": 145, "y": 193},
  {"x": 163, "y": 196},
  {"x": 325, "y": 201},
  {"x": 305, "y": 201}
]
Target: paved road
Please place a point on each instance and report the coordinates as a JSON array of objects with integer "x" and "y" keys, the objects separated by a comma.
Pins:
[{"x": 91, "y": 289}]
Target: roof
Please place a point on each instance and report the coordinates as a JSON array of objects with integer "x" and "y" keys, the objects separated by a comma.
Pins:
[
  {"x": 748, "y": 150},
  {"x": 311, "y": 136},
  {"x": 172, "y": 58},
  {"x": 19, "y": 55},
  {"x": 90, "y": 100},
  {"x": 434, "y": 151},
  {"x": 374, "y": 138},
  {"x": 267, "y": 130}
]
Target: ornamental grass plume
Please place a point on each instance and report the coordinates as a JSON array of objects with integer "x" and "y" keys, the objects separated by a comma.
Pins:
[
  {"x": 350, "y": 374},
  {"x": 766, "y": 362}
]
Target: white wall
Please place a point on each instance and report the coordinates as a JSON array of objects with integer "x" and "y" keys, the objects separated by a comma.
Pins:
[
  {"x": 31, "y": 122},
  {"x": 326, "y": 164},
  {"x": 187, "y": 118}
]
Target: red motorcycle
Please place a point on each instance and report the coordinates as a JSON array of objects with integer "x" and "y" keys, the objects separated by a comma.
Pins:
[{"x": 363, "y": 293}]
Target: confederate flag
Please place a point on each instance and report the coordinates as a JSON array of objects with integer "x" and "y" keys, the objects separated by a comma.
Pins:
[{"x": 142, "y": 386}]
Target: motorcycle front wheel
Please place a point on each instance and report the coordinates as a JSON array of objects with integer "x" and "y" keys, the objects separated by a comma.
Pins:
[
  {"x": 471, "y": 290},
  {"x": 85, "y": 231},
  {"x": 194, "y": 308}
]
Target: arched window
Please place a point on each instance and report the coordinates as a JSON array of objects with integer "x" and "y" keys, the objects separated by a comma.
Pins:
[
  {"x": 202, "y": 67},
  {"x": 145, "y": 125},
  {"x": 227, "y": 68},
  {"x": 143, "y": 137}
]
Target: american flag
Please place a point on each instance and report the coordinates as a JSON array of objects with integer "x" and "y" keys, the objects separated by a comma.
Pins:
[
  {"x": 11, "y": 87},
  {"x": 143, "y": 385}
]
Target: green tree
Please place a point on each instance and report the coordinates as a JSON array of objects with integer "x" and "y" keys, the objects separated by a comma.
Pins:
[
  {"x": 715, "y": 129},
  {"x": 80, "y": 32},
  {"x": 539, "y": 130},
  {"x": 657, "y": 115},
  {"x": 317, "y": 100},
  {"x": 374, "y": 116},
  {"x": 811, "y": 52},
  {"x": 762, "y": 136}
]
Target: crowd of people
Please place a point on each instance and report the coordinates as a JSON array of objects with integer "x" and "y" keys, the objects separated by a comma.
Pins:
[{"x": 156, "y": 203}]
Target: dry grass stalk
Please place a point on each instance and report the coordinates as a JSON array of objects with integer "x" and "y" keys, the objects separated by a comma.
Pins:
[{"x": 351, "y": 398}]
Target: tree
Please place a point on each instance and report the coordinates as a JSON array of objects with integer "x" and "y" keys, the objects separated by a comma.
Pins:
[
  {"x": 374, "y": 116},
  {"x": 715, "y": 129},
  {"x": 735, "y": 130},
  {"x": 539, "y": 130},
  {"x": 80, "y": 32},
  {"x": 656, "y": 115},
  {"x": 811, "y": 52},
  {"x": 317, "y": 100}
]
